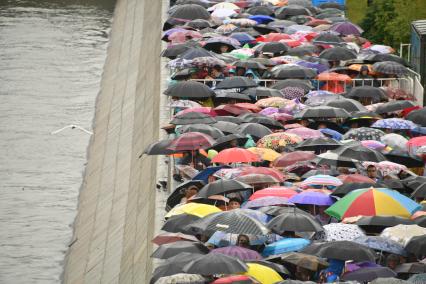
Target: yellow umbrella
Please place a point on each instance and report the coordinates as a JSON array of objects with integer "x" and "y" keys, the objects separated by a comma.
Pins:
[
  {"x": 265, "y": 153},
  {"x": 197, "y": 209},
  {"x": 263, "y": 274}
]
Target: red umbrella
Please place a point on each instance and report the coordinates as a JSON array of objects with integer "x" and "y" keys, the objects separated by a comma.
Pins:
[
  {"x": 240, "y": 279},
  {"x": 230, "y": 109},
  {"x": 289, "y": 159},
  {"x": 355, "y": 178},
  {"x": 276, "y": 191},
  {"x": 317, "y": 22},
  {"x": 274, "y": 37},
  {"x": 249, "y": 106},
  {"x": 263, "y": 170},
  {"x": 235, "y": 155},
  {"x": 166, "y": 238},
  {"x": 205, "y": 110},
  {"x": 191, "y": 141},
  {"x": 291, "y": 42}
]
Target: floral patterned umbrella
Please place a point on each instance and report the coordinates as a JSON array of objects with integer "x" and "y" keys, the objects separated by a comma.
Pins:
[
  {"x": 364, "y": 133},
  {"x": 394, "y": 123},
  {"x": 305, "y": 132},
  {"x": 272, "y": 102},
  {"x": 277, "y": 141},
  {"x": 268, "y": 111},
  {"x": 341, "y": 232},
  {"x": 381, "y": 244},
  {"x": 373, "y": 144},
  {"x": 386, "y": 167},
  {"x": 291, "y": 93},
  {"x": 206, "y": 61}
]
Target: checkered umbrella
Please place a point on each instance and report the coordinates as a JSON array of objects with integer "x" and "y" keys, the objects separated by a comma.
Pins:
[{"x": 390, "y": 67}]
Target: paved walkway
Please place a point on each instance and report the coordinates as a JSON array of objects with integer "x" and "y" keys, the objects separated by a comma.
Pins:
[{"x": 116, "y": 215}]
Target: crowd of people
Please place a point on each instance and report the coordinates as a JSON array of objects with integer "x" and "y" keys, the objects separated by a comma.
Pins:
[{"x": 298, "y": 150}]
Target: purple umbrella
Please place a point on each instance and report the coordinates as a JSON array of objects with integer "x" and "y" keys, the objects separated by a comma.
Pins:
[
  {"x": 238, "y": 252},
  {"x": 266, "y": 201},
  {"x": 317, "y": 66},
  {"x": 173, "y": 30},
  {"x": 313, "y": 198},
  {"x": 269, "y": 111},
  {"x": 347, "y": 28}
]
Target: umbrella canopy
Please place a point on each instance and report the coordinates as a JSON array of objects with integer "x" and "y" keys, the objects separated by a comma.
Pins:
[
  {"x": 181, "y": 278},
  {"x": 335, "y": 159},
  {"x": 264, "y": 153},
  {"x": 394, "y": 106},
  {"x": 263, "y": 273},
  {"x": 203, "y": 128},
  {"x": 303, "y": 84},
  {"x": 312, "y": 198},
  {"x": 241, "y": 279},
  {"x": 196, "y": 209},
  {"x": 322, "y": 112},
  {"x": 266, "y": 201},
  {"x": 292, "y": 72},
  {"x": 328, "y": 38},
  {"x": 318, "y": 144},
  {"x": 341, "y": 232},
  {"x": 249, "y": 64},
  {"x": 168, "y": 250},
  {"x": 285, "y": 245},
  {"x": 293, "y": 222},
  {"x": 236, "y": 82},
  {"x": 238, "y": 252},
  {"x": 159, "y": 148},
  {"x": 283, "y": 192},
  {"x": 215, "y": 264},
  {"x": 403, "y": 233},
  {"x": 176, "y": 196},
  {"x": 347, "y": 187},
  {"x": 189, "y": 89},
  {"x": 166, "y": 238},
  {"x": 364, "y": 133},
  {"x": 324, "y": 180},
  {"x": 394, "y": 123},
  {"x": 381, "y": 244},
  {"x": 418, "y": 116},
  {"x": 337, "y": 54},
  {"x": 189, "y": 12},
  {"x": 255, "y": 130},
  {"x": 411, "y": 268},
  {"x": 417, "y": 246},
  {"x": 223, "y": 186},
  {"x": 373, "y": 94},
  {"x": 235, "y": 155},
  {"x": 346, "y": 28},
  {"x": 369, "y": 274},
  {"x": 191, "y": 141},
  {"x": 305, "y": 133},
  {"x": 355, "y": 178},
  {"x": 379, "y": 223},
  {"x": 371, "y": 202},
  {"x": 192, "y": 117},
  {"x": 258, "y": 179},
  {"x": 345, "y": 250},
  {"x": 310, "y": 262},
  {"x": 390, "y": 67},
  {"x": 347, "y": 104},
  {"x": 291, "y": 158},
  {"x": 263, "y": 92},
  {"x": 175, "y": 224}
]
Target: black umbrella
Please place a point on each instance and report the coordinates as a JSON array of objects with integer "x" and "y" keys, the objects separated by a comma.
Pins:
[
  {"x": 418, "y": 116},
  {"x": 223, "y": 186},
  {"x": 173, "y": 265},
  {"x": 215, "y": 263},
  {"x": 236, "y": 82},
  {"x": 334, "y": 159},
  {"x": 176, "y": 196},
  {"x": 192, "y": 118},
  {"x": 293, "y": 72},
  {"x": 320, "y": 172},
  {"x": 225, "y": 142},
  {"x": 232, "y": 95},
  {"x": 278, "y": 210},
  {"x": 337, "y": 54},
  {"x": 171, "y": 249},
  {"x": 303, "y": 50},
  {"x": 378, "y": 223},
  {"x": 310, "y": 262},
  {"x": 318, "y": 144},
  {"x": 411, "y": 268},
  {"x": 364, "y": 133},
  {"x": 328, "y": 38},
  {"x": 417, "y": 246},
  {"x": 173, "y": 51},
  {"x": 159, "y": 148},
  {"x": 266, "y": 29},
  {"x": 390, "y": 67},
  {"x": 395, "y": 184},
  {"x": 199, "y": 24},
  {"x": 292, "y": 222},
  {"x": 302, "y": 84},
  {"x": 291, "y": 10},
  {"x": 203, "y": 128},
  {"x": 331, "y": 5},
  {"x": 263, "y": 92},
  {"x": 195, "y": 52},
  {"x": 404, "y": 159},
  {"x": 245, "y": 117},
  {"x": 368, "y": 274},
  {"x": 347, "y": 104},
  {"x": 266, "y": 121},
  {"x": 346, "y": 250},
  {"x": 232, "y": 119},
  {"x": 276, "y": 48},
  {"x": 255, "y": 130},
  {"x": 386, "y": 57},
  {"x": 394, "y": 106},
  {"x": 182, "y": 74},
  {"x": 189, "y": 89},
  {"x": 420, "y": 191},
  {"x": 345, "y": 188},
  {"x": 190, "y": 12},
  {"x": 249, "y": 64},
  {"x": 226, "y": 127},
  {"x": 360, "y": 153},
  {"x": 260, "y": 10},
  {"x": 214, "y": 44},
  {"x": 367, "y": 92},
  {"x": 199, "y": 2},
  {"x": 421, "y": 221},
  {"x": 413, "y": 182},
  {"x": 176, "y": 224},
  {"x": 322, "y": 112},
  {"x": 236, "y": 221}
]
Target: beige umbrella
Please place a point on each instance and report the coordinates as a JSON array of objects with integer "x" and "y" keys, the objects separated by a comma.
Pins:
[
  {"x": 403, "y": 233},
  {"x": 182, "y": 278}
]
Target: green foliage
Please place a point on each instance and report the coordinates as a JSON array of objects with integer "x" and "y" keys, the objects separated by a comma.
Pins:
[{"x": 388, "y": 21}]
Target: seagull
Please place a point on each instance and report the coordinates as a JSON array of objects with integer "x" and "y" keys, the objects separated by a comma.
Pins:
[{"x": 72, "y": 126}]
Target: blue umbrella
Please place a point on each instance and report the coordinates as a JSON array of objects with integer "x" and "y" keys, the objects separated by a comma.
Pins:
[
  {"x": 259, "y": 216},
  {"x": 243, "y": 38},
  {"x": 285, "y": 245},
  {"x": 381, "y": 244},
  {"x": 262, "y": 19},
  {"x": 394, "y": 123},
  {"x": 204, "y": 174},
  {"x": 332, "y": 133},
  {"x": 266, "y": 201},
  {"x": 317, "y": 66}
]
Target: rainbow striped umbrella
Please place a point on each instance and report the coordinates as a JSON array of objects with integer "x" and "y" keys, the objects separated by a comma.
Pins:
[{"x": 372, "y": 202}]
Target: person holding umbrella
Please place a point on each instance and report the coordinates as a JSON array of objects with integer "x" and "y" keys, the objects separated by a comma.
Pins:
[{"x": 364, "y": 78}]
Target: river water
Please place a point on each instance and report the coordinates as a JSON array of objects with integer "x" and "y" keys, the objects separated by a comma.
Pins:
[{"x": 51, "y": 59}]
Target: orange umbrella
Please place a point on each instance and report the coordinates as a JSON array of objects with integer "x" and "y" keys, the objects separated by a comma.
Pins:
[
  {"x": 235, "y": 155},
  {"x": 249, "y": 106},
  {"x": 357, "y": 178},
  {"x": 357, "y": 67},
  {"x": 333, "y": 76}
]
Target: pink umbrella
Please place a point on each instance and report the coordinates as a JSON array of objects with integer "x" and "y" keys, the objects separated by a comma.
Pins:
[
  {"x": 305, "y": 132},
  {"x": 281, "y": 116},
  {"x": 238, "y": 252},
  {"x": 269, "y": 111},
  {"x": 205, "y": 110}
]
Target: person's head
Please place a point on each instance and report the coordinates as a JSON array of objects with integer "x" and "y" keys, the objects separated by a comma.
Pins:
[
  {"x": 392, "y": 261},
  {"x": 243, "y": 241},
  {"x": 372, "y": 171},
  {"x": 240, "y": 71},
  {"x": 233, "y": 143},
  {"x": 216, "y": 71},
  {"x": 303, "y": 274},
  {"x": 354, "y": 124},
  {"x": 343, "y": 170},
  {"x": 364, "y": 70},
  {"x": 191, "y": 191},
  {"x": 223, "y": 48},
  {"x": 322, "y": 125},
  {"x": 234, "y": 203}
]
